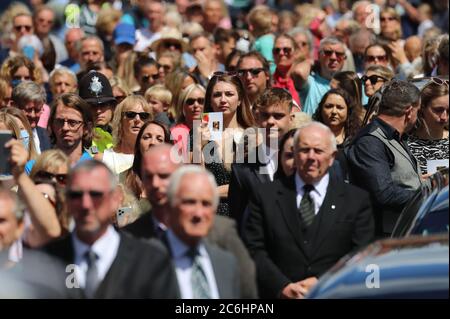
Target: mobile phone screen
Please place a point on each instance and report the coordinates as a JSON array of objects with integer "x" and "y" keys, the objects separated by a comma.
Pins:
[{"x": 5, "y": 168}]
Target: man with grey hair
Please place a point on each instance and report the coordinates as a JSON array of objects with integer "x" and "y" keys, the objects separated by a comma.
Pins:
[
  {"x": 30, "y": 98},
  {"x": 313, "y": 84},
  {"x": 156, "y": 169},
  {"x": 203, "y": 270},
  {"x": 62, "y": 80},
  {"x": 300, "y": 226},
  {"x": 108, "y": 264},
  {"x": 11, "y": 224},
  {"x": 379, "y": 158}
]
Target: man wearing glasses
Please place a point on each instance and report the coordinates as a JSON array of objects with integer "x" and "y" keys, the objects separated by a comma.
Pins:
[
  {"x": 30, "y": 98},
  {"x": 22, "y": 24},
  {"x": 254, "y": 71},
  {"x": 313, "y": 85},
  {"x": 71, "y": 127},
  {"x": 96, "y": 90}
]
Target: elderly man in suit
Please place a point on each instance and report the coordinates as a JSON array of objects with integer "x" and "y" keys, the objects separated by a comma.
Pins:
[
  {"x": 108, "y": 264},
  {"x": 204, "y": 271},
  {"x": 157, "y": 168},
  {"x": 300, "y": 226}
]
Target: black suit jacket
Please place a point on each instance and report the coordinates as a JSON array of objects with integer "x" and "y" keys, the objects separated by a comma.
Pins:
[
  {"x": 224, "y": 235},
  {"x": 245, "y": 180},
  {"x": 283, "y": 253},
  {"x": 44, "y": 140},
  {"x": 140, "y": 269}
]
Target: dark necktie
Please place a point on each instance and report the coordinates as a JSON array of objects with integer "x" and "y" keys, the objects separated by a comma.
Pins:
[
  {"x": 199, "y": 282},
  {"x": 92, "y": 279},
  {"x": 306, "y": 209}
]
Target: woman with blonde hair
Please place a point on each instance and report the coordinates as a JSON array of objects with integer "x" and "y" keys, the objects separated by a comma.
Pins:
[
  {"x": 391, "y": 28},
  {"x": 19, "y": 68},
  {"x": 129, "y": 116}
]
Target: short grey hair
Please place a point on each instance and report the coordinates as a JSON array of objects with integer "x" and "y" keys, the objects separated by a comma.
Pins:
[
  {"x": 177, "y": 176},
  {"x": 322, "y": 126},
  {"x": 88, "y": 166},
  {"x": 61, "y": 71},
  {"x": 300, "y": 30},
  {"x": 19, "y": 206},
  {"x": 330, "y": 40},
  {"x": 90, "y": 37},
  {"x": 28, "y": 91}
]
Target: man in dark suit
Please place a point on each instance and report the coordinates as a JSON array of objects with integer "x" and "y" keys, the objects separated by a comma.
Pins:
[
  {"x": 300, "y": 226},
  {"x": 107, "y": 264},
  {"x": 204, "y": 271},
  {"x": 30, "y": 98},
  {"x": 157, "y": 167},
  {"x": 272, "y": 110}
]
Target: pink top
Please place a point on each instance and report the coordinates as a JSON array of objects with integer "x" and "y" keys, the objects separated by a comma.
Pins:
[{"x": 43, "y": 120}]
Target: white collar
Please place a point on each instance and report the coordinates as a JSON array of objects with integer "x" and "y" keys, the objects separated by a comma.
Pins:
[
  {"x": 101, "y": 247},
  {"x": 320, "y": 186}
]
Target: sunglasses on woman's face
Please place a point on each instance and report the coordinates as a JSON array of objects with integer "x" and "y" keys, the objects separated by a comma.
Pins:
[
  {"x": 373, "y": 58},
  {"x": 286, "y": 50},
  {"x": 60, "y": 178},
  {"x": 191, "y": 101},
  {"x": 146, "y": 78},
  {"x": 373, "y": 79},
  {"x": 142, "y": 115}
]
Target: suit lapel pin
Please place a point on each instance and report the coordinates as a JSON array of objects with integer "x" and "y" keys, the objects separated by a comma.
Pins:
[{"x": 333, "y": 207}]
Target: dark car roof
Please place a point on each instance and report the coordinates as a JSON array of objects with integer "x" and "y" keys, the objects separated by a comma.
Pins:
[{"x": 412, "y": 267}]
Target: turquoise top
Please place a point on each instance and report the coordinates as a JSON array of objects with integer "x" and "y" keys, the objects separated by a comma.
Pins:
[
  {"x": 312, "y": 92},
  {"x": 264, "y": 45}
]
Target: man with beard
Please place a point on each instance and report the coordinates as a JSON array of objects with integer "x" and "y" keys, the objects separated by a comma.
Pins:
[
  {"x": 96, "y": 90},
  {"x": 108, "y": 264},
  {"x": 313, "y": 85},
  {"x": 379, "y": 158}
]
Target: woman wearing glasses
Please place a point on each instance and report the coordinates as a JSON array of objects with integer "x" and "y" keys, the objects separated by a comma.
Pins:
[
  {"x": 376, "y": 54},
  {"x": 129, "y": 116},
  {"x": 284, "y": 55},
  {"x": 429, "y": 140},
  {"x": 375, "y": 77}
]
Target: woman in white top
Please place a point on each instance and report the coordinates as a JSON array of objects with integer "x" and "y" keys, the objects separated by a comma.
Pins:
[{"x": 129, "y": 116}]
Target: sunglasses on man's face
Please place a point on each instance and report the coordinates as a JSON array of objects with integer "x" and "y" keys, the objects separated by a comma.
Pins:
[
  {"x": 142, "y": 115},
  {"x": 329, "y": 53},
  {"x": 78, "y": 194},
  {"x": 373, "y": 79},
  {"x": 254, "y": 72},
  {"x": 191, "y": 101},
  {"x": 286, "y": 51}
]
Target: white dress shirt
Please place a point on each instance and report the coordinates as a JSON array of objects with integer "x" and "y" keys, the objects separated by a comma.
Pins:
[
  {"x": 271, "y": 161},
  {"x": 183, "y": 266},
  {"x": 37, "y": 143},
  {"x": 317, "y": 195},
  {"x": 105, "y": 247}
]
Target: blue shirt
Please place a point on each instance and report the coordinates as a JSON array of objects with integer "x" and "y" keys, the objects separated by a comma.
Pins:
[
  {"x": 312, "y": 92},
  {"x": 264, "y": 45},
  {"x": 29, "y": 165},
  {"x": 183, "y": 266}
]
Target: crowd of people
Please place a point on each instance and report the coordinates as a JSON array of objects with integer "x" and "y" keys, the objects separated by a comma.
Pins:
[{"x": 330, "y": 114}]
